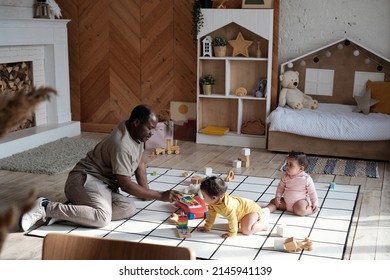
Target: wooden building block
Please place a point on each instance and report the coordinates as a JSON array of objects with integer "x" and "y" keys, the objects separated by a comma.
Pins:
[
  {"x": 237, "y": 163},
  {"x": 279, "y": 244},
  {"x": 245, "y": 161},
  {"x": 291, "y": 245},
  {"x": 283, "y": 231},
  {"x": 245, "y": 151}
]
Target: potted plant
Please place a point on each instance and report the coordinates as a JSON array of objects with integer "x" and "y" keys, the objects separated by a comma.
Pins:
[
  {"x": 219, "y": 46},
  {"x": 207, "y": 83}
]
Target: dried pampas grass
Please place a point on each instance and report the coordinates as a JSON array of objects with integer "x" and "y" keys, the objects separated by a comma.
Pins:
[
  {"x": 15, "y": 108},
  {"x": 11, "y": 215}
]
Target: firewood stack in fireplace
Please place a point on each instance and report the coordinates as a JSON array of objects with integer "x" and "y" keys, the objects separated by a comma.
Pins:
[{"x": 16, "y": 77}]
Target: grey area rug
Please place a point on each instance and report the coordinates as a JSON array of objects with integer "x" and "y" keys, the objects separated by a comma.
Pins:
[
  {"x": 346, "y": 167},
  {"x": 52, "y": 158}
]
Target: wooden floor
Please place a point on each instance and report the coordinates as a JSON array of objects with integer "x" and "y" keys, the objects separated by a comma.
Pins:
[{"x": 368, "y": 240}]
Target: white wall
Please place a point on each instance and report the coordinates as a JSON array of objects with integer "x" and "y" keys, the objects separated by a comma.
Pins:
[
  {"x": 306, "y": 25},
  {"x": 16, "y": 8}
]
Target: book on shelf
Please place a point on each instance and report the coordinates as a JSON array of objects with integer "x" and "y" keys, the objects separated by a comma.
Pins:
[{"x": 215, "y": 130}]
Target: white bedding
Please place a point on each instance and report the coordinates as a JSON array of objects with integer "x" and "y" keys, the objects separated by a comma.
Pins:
[{"x": 331, "y": 121}]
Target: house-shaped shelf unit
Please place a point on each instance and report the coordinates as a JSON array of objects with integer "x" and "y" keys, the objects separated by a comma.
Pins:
[
  {"x": 223, "y": 107},
  {"x": 239, "y": 71},
  {"x": 339, "y": 71}
]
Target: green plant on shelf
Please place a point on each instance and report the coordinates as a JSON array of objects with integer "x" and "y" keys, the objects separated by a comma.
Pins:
[
  {"x": 219, "y": 42},
  {"x": 207, "y": 80}
]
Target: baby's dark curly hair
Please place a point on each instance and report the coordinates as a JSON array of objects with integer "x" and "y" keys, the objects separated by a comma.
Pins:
[
  {"x": 300, "y": 157},
  {"x": 213, "y": 186}
]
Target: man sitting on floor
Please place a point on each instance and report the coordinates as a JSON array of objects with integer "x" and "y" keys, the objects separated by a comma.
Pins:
[{"x": 92, "y": 187}]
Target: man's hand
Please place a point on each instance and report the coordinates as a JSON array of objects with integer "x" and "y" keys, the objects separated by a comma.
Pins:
[{"x": 170, "y": 195}]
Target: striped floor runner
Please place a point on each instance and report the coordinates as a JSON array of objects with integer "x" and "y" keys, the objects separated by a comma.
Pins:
[{"x": 334, "y": 166}]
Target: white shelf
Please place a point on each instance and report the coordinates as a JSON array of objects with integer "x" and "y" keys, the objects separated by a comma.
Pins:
[
  {"x": 224, "y": 108},
  {"x": 234, "y": 58},
  {"x": 230, "y": 96},
  {"x": 232, "y": 139}
]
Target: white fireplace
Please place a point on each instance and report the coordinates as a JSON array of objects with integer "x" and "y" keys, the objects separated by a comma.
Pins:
[{"x": 44, "y": 42}]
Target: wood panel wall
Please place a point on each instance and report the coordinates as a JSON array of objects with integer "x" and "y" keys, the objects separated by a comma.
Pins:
[{"x": 123, "y": 53}]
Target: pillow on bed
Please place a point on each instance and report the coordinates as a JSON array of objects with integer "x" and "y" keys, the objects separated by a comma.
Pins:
[{"x": 380, "y": 91}]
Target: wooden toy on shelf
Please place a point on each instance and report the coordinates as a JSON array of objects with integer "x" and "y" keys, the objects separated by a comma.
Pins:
[
  {"x": 207, "y": 46},
  {"x": 193, "y": 206}
]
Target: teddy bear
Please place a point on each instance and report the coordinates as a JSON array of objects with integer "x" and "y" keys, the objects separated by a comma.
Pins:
[{"x": 290, "y": 94}]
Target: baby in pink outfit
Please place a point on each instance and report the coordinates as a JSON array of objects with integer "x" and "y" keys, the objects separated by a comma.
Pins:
[{"x": 295, "y": 187}]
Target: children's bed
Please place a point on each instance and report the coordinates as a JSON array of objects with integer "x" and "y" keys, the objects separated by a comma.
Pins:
[{"x": 330, "y": 130}]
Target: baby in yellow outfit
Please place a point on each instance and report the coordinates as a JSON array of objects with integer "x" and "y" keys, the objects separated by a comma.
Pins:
[{"x": 236, "y": 209}]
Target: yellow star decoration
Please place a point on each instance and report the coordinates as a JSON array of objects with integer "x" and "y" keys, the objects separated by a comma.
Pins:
[{"x": 240, "y": 45}]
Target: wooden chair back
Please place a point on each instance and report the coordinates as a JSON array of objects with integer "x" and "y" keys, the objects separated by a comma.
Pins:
[{"x": 59, "y": 246}]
